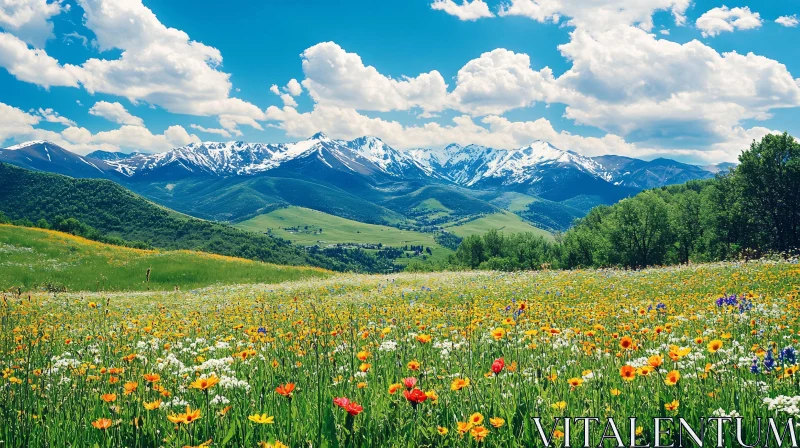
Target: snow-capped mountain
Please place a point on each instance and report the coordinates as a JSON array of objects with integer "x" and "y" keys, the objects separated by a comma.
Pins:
[
  {"x": 45, "y": 156},
  {"x": 539, "y": 168}
]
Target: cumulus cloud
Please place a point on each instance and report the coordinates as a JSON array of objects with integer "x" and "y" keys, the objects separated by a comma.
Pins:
[
  {"x": 115, "y": 112},
  {"x": 466, "y": 10},
  {"x": 599, "y": 14},
  {"x": 20, "y": 126},
  {"x": 628, "y": 82},
  {"x": 34, "y": 65},
  {"x": 724, "y": 19},
  {"x": 498, "y": 81},
  {"x": 787, "y": 21},
  {"x": 335, "y": 77},
  {"x": 158, "y": 65},
  {"x": 29, "y": 19}
]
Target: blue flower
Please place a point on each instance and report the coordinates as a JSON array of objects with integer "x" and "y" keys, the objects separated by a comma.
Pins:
[{"x": 754, "y": 366}]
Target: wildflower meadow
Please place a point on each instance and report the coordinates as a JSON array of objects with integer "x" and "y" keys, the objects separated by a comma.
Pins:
[{"x": 407, "y": 360}]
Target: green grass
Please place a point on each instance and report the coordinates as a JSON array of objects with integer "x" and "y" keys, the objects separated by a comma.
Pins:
[
  {"x": 33, "y": 258},
  {"x": 513, "y": 201},
  {"x": 505, "y": 222},
  {"x": 334, "y": 229}
]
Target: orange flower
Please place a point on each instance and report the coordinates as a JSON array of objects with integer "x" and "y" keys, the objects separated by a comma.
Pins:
[
  {"x": 672, "y": 378},
  {"x": 362, "y": 355},
  {"x": 626, "y": 342},
  {"x": 497, "y": 422},
  {"x": 130, "y": 387},
  {"x": 423, "y": 338},
  {"x": 476, "y": 418},
  {"x": 413, "y": 365},
  {"x": 479, "y": 433},
  {"x": 109, "y": 398},
  {"x": 394, "y": 388},
  {"x": 204, "y": 383},
  {"x": 655, "y": 361},
  {"x": 153, "y": 405},
  {"x": 152, "y": 377},
  {"x": 498, "y": 333},
  {"x": 102, "y": 423},
  {"x": 628, "y": 373},
  {"x": 285, "y": 390}
]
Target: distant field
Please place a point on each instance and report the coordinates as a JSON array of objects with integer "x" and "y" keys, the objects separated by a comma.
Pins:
[
  {"x": 512, "y": 201},
  {"x": 35, "y": 258},
  {"x": 334, "y": 229},
  {"x": 505, "y": 222}
]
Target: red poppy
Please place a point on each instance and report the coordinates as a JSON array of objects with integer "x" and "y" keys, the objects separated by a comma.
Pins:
[
  {"x": 342, "y": 402},
  {"x": 497, "y": 365},
  {"x": 409, "y": 382},
  {"x": 353, "y": 408},
  {"x": 415, "y": 396}
]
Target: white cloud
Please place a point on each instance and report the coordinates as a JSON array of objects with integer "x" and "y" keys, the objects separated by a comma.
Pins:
[
  {"x": 719, "y": 20},
  {"x": 337, "y": 78},
  {"x": 52, "y": 116},
  {"x": 294, "y": 88},
  {"x": 598, "y": 14},
  {"x": 628, "y": 82},
  {"x": 29, "y": 19},
  {"x": 20, "y": 126},
  {"x": 221, "y": 132},
  {"x": 467, "y": 10},
  {"x": 115, "y": 112},
  {"x": 159, "y": 65},
  {"x": 34, "y": 65},
  {"x": 787, "y": 21},
  {"x": 499, "y": 81}
]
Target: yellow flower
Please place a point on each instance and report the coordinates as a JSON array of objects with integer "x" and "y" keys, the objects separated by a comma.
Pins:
[
  {"x": 459, "y": 383},
  {"x": 204, "y": 383},
  {"x": 672, "y": 378},
  {"x": 476, "y": 418},
  {"x": 714, "y": 345},
  {"x": 673, "y": 406},
  {"x": 153, "y": 405},
  {"x": 464, "y": 427},
  {"x": 442, "y": 430},
  {"x": 559, "y": 405},
  {"x": 498, "y": 333},
  {"x": 262, "y": 419},
  {"x": 615, "y": 392},
  {"x": 497, "y": 422},
  {"x": 275, "y": 444},
  {"x": 479, "y": 433},
  {"x": 575, "y": 382}
]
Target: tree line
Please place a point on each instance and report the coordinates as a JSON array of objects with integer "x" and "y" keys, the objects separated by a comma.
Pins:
[{"x": 750, "y": 211}]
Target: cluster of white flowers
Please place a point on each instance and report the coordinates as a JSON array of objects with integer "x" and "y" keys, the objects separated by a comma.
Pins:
[
  {"x": 230, "y": 382},
  {"x": 213, "y": 364},
  {"x": 721, "y": 413},
  {"x": 388, "y": 346},
  {"x": 170, "y": 361},
  {"x": 176, "y": 403},
  {"x": 783, "y": 403},
  {"x": 445, "y": 347},
  {"x": 219, "y": 399}
]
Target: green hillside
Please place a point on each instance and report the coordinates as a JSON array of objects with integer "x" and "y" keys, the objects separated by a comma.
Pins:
[
  {"x": 117, "y": 212},
  {"x": 309, "y": 227},
  {"x": 236, "y": 199},
  {"x": 505, "y": 222},
  {"x": 35, "y": 259}
]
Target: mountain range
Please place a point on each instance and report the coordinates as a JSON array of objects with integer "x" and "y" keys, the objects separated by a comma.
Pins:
[{"x": 367, "y": 180}]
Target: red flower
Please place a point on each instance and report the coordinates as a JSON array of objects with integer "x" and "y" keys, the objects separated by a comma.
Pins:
[
  {"x": 497, "y": 365},
  {"x": 341, "y": 402},
  {"x": 285, "y": 390},
  {"x": 415, "y": 396},
  {"x": 409, "y": 382},
  {"x": 353, "y": 409}
]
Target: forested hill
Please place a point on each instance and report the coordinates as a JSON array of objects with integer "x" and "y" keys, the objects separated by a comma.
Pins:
[{"x": 116, "y": 212}]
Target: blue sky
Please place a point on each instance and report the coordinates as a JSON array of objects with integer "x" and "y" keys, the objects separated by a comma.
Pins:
[{"x": 655, "y": 79}]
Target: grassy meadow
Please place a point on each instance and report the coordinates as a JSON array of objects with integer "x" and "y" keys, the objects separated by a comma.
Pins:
[
  {"x": 334, "y": 229},
  {"x": 446, "y": 359},
  {"x": 35, "y": 258},
  {"x": 505, "y": 222}
]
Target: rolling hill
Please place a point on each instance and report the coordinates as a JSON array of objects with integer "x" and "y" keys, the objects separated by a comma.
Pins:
[
  {"x": 45, "y": 259},
  {"x": 117, "y": 212},
  {"x": 504, "y": 221}
]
